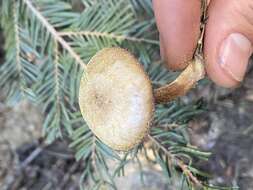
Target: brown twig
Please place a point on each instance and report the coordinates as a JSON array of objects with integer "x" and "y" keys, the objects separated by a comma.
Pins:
[
  {"x": 108, "y": 35},
  {"x": 31, "y": 157},
  {"x": 59, "y": 154},
  {"x": 200, "y": 44},
  {"x": 67, "y": 176},
  {"x": 55, "y": 33},
  {"x": 93, "y": 153},
  {"x": 178, "y": 162}
]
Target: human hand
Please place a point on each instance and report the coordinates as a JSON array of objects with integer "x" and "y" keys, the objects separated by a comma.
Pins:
[{"x": 228, "y": 38}]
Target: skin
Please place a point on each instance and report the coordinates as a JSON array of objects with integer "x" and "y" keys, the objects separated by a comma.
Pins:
[{"x": 178, "y": 24}]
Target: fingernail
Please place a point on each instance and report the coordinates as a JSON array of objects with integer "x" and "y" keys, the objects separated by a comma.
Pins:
[{"x": 234, "y": 55}]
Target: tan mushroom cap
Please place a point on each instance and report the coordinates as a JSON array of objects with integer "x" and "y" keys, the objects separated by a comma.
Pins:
[{"x": 116, "y": 98}]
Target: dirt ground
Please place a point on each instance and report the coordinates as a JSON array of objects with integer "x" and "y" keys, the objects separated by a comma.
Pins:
[{"x": 225, "y": 129}]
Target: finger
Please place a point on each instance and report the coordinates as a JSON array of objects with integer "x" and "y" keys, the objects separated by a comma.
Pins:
[
  {"x": 178, "y": 23},
  {"x": 228, "y": 40}
]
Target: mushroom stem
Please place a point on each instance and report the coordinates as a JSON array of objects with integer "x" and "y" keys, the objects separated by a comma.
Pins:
[
  {"x": 192, "y": 73},
  {"x": 183, "y": 83}
]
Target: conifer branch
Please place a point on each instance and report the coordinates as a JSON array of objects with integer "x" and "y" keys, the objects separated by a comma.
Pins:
[
  {"x": 17, "y": 44},
  {"x": 93, "y": 152},
  {"x": 55, "y": 34},
  {"x": 109, "y": 35},
  {"x": 178, "y": 162},
  {"x": 56, "y": 70},
  {"x": 56, "y": 77},
  {"x": 17, "y": 40}
]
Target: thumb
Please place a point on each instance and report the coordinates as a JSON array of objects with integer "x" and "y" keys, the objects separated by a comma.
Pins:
[{"x": 228, "y": 40}]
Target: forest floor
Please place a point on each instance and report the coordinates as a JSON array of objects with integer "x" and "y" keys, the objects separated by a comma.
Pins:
[{"x": 225, "y": 129}]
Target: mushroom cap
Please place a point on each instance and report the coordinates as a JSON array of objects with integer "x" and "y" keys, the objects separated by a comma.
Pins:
[{"x": 116, "y": 98}]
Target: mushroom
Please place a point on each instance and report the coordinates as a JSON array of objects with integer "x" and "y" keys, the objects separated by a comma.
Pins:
[{"x": 117, "y": 100}]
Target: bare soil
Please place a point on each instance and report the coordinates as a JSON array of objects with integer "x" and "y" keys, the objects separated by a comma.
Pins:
[{"x": 226, "y": 130}]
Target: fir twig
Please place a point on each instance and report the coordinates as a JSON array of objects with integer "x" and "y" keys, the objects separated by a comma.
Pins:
[
  {"x": 32, "y": 157},
  {"x": 56, "y": 71},
  {"x": 17, "y": 44},
  {"x": 55, "y": 34},
  {"x": 17, "y": 40},
  {"x": 93, "y": 152},
  {"x": 178, "y": 162},
  {"x": 109, "y": 35}
]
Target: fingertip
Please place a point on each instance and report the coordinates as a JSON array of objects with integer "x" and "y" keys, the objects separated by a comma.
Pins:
[
  {"x": 174, "y": 60},
  {"x": 178, "y": 23}
]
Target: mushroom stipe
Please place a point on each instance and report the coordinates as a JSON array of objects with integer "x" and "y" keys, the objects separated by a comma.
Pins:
[{"x": 117, "y": 100}]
